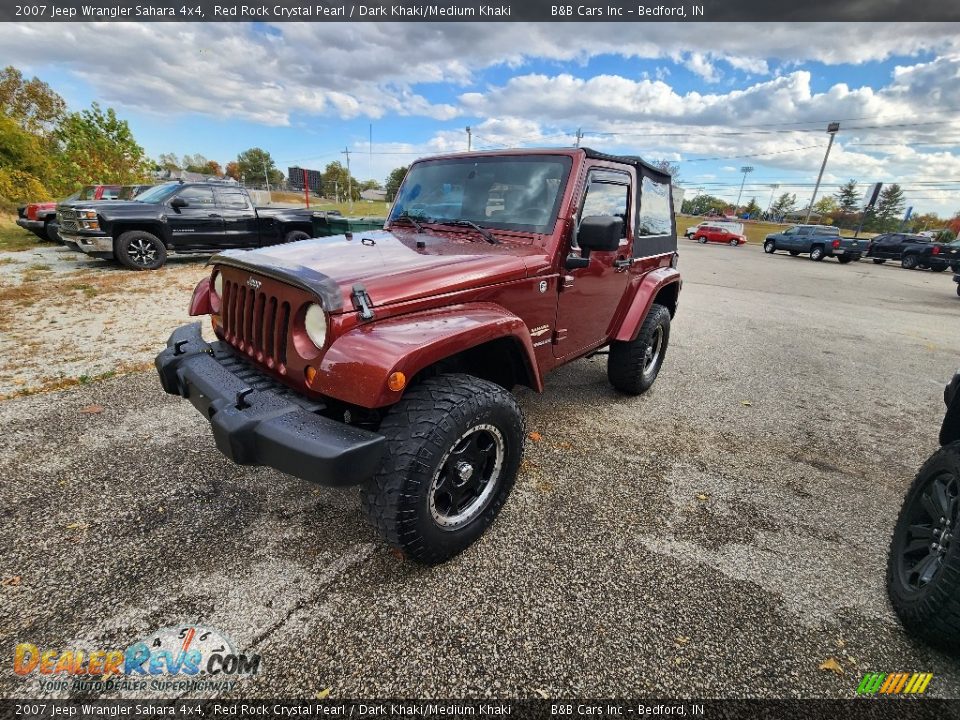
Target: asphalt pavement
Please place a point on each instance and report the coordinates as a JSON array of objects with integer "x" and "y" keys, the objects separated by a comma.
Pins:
[{"x": 723, "y": 536}]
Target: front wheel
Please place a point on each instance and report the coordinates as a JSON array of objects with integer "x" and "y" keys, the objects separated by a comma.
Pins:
[
  {"x": 923, "y": 569},
  {"x": 817, "y": 253},
  {"x": 632, "y": 367},
  {"x": 701, "y": 239},
  {"x": 295, "y": 235},
  {"x": 454, "y": 444},
  {"x": 909, "y": 262},
  {"x": 734, "y": 243},
  {"x": 140, "y": 250},
  {"x": 769, "y": 247}
]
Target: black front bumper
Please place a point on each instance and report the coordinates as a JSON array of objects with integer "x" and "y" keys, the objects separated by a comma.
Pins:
[{"x": 257, "y": 421}]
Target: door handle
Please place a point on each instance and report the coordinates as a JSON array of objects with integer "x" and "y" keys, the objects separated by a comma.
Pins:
[{"x": 621, "y": 264}]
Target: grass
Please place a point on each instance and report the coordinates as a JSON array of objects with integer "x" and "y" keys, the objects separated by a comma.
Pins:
[
  {"x": 14, "y": 238},
  {"x": 361, "y": 208},
  {"x": 756, "y": 231}
]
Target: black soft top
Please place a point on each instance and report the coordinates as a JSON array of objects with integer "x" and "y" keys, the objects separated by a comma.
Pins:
[{"x": 634, "y": 160}]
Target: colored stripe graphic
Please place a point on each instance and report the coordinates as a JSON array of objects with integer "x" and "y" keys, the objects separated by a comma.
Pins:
[{"x": 894, "y": 683}]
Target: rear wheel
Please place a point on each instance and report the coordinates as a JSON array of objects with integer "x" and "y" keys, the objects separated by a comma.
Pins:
[
  {"x": 909, "y": 262},
  {"x": 295, "y": 235},
  {"x": 769, "y": 247},
  {"x": 140, "y": 250},
  {"x": 923, "y": 569},
  {"x": 454, "y": 444},
  {"x": 817, "y": 253},
  {"x": 632, "y": 367}
]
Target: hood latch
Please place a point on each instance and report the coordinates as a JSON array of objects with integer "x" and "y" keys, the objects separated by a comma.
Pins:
[{"x": 362, "y": 302}]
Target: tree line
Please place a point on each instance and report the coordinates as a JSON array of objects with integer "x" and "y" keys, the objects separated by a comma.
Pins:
[{"x": 844, "y": 209}]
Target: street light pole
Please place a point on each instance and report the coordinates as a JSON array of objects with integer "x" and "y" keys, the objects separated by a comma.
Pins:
[
  {"x": 745, "y": 169},
  {"x": 832, "y": 130}
]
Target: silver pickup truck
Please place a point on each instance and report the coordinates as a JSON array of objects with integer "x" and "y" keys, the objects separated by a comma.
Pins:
[{"x": 819, "y": 241}]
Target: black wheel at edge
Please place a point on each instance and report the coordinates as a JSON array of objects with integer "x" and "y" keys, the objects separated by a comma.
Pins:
[{"x": 633, "y": 367}]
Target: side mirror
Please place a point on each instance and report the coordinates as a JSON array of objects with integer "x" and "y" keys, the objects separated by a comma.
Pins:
[
  {"x": 179, "y": 203},
  {"x": 599, "y": 232}
]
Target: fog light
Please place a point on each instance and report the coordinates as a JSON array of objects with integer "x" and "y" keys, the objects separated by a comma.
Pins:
[
  {"x": 311, "y": 373},
  {"x": 397, "y": 381}
]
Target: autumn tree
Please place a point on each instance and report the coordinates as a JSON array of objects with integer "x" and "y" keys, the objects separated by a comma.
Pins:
[
  {"x": 32, "y": 104},
  {"x": 232, "y": 170},
  {"x": 96, "y": 146}
]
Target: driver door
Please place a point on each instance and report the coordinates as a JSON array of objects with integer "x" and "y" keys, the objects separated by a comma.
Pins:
[
  {"x": 199, "y": 223},
  {"x": 589, "y": 296}
]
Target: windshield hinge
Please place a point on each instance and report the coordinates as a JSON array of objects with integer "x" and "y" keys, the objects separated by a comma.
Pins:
[{"x": 362, "y": 302}]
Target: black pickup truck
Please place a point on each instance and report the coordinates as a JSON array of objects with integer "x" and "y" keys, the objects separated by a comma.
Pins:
[
  {"x": 177, "y": 217},
  {"x": 913, "y": 251}
]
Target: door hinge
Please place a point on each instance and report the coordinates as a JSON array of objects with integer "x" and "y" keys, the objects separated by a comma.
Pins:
[
  {"x": 559, "y": 335},
  {"x": 362, "y": 302}
]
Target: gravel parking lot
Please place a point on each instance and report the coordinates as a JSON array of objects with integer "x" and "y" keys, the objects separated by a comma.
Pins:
[{"x": 723, "y": 536}]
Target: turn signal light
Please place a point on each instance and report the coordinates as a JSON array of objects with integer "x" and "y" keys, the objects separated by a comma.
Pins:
[
  {"x": 311, "y": 373},
  {"x": 397, "y": 381},
  {"x": 215, "y": 321}
]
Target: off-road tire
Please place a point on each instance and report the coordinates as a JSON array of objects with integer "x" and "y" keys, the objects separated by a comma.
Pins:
[
  {"x": 817, "y": 253},
  {"x": 879, "y": 261},
  {"x": 295, "y": 235},
  {"x": 794, "y": 253},
  {"x": 909, "y": 262},
  {"x": 844, "y": 259},
  {"x": 422, "y": 431},
  {"x": 139, "y": 250},
  {"x": 628, "y": 366},
  {"x": 930, "y": 612},
  {"x": 769, "y": 247}
]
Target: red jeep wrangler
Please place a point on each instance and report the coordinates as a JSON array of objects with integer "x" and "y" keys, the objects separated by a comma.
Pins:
[{"x": 387, "y": 357}]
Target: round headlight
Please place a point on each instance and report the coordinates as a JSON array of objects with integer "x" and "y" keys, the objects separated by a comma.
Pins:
[
  {"x": 315, "y": 323},
  {"x": 218, "y": 284}
]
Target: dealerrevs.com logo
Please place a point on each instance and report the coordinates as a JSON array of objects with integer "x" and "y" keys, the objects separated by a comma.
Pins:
[
  {"x": 894, "y": 683},
  {"x": 177, "y": 658}
]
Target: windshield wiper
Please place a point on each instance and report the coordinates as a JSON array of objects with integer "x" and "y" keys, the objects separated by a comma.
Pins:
[
  {"x": 487, "y": 235},
  {"x": 409, "y": 219}
]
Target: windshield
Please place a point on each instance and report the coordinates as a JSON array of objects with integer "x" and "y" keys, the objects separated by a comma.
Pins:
[
  {"x": 129, "y": 191},
  {"x": 158, "y": 194},
  {"x": 505, "y": 193},
  {"x": 88, "y": 192}
]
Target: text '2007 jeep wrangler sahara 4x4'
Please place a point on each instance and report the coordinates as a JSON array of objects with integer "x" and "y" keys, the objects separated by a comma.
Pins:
[{"x": 386, "y": 357}]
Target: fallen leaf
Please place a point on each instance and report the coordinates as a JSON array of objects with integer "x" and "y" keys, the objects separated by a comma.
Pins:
[
  {"x": 841, "y": 643},
  {"x": 11, "y": 581},
  {"x": 703, "y": 497},
  {"x": 564, "y": 446},
  {"x": 746, "y": 403},
  {"x": 832, "y": 665},
  {"x": 323, "y": 694},
  {"x": 541, "y": 693},
  {"x": 544, "y": 487},
  {"x": 92, "y": 409},
  {"x": 535, "y": 436},
  {"x": 77, "y": 526},
  {"x": 682, "y": 639}
]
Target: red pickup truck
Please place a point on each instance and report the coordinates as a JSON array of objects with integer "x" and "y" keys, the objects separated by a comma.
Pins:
[
  {"x": 40, "y": 218},
  {"x": 386, "y": 357}
]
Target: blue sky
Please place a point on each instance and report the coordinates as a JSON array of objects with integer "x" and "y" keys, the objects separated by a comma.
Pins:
[{"x": 306, "y": 91}]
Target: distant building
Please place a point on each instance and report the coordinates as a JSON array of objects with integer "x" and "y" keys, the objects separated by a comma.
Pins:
[
  {"x": 376, "y": 195},
  {"x": 186, "y": 176}
]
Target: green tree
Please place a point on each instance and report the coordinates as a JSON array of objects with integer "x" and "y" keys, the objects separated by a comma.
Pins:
[
  {"x": 96, "y": 146},
  {"x": 890, "y": 207},
  {"x": 848, "y": 198},
  {"x": 169, "y": 161},
  {"x": 787, "y": 202},
  {"x": 252, "y": 164},
  {"x": 337, "y": 180},
  {"x": 702, "y": 204},
  {"x": 31, "y": 103},
  {"x": 826, "y": 207},
  {"x": 752, "y": 209},
  {"x": 24, "y": 160},
  {"x": 393, "y": 181}
]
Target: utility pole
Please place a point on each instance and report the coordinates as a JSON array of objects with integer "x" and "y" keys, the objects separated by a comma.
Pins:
[
  {"x": 832, "y": 130},
  {"x": 265, "y": 176},
  {"x": 346, "y": 151},
  {"x": 579, "y": 137},
  {"x": 469, "y": 139},
  {"x": 745, "y": 169}
]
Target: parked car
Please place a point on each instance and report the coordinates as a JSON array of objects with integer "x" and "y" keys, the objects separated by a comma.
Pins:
[
  {"x": 819, "y": 241},
  {"x": 951, "y": 254},
  {"x": 913, "y": 251},
  {"x": 387, "y": 359},
  {"x": 923, "y": 567},
  {"x": 719, "y": 234},
  {"x": 41, "y": 218},
  {"x": 129, "y": 192},
  {"x": 177, "y": 217},
  {"x": 732, "y": 226}
]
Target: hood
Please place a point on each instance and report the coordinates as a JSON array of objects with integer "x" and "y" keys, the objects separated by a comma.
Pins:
[
  {"x": 390, "y": 265},
  {"x": 104, "y": 205}
]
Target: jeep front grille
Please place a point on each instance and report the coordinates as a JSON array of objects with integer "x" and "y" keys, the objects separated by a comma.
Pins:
[
  {"x": 67, "y": 219},
  {"x": 256, "y": 322}
]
